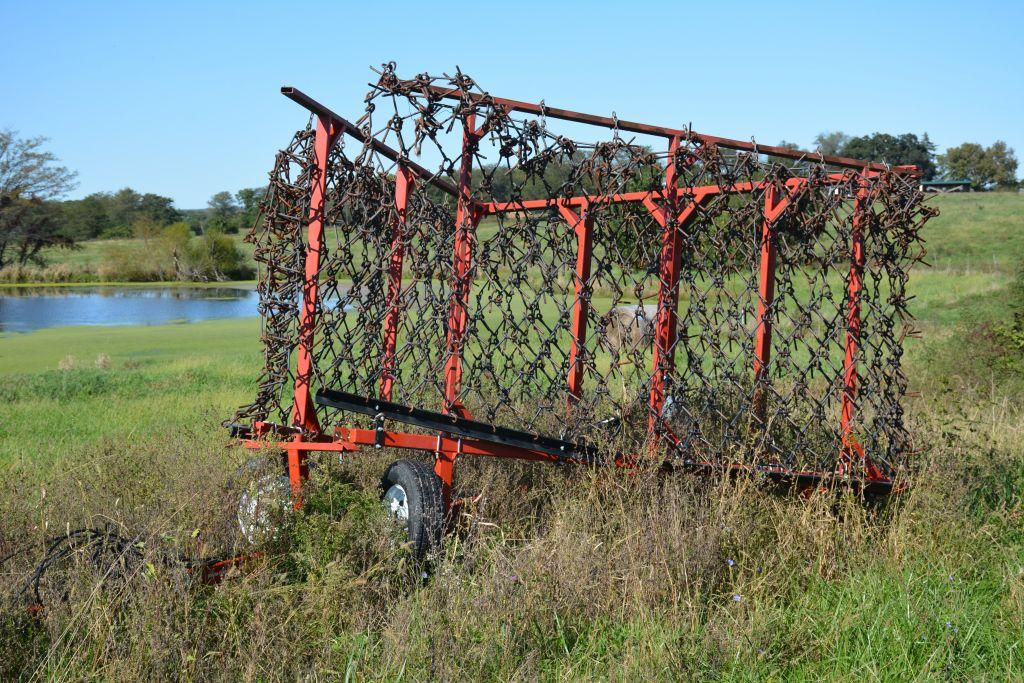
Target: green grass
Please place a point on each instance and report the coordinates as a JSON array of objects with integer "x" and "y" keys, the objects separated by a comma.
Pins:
[
  {"x": 159, "y": 379},
  {"x": 553, "y": 574},
  {"x": 977, "y": 232}
]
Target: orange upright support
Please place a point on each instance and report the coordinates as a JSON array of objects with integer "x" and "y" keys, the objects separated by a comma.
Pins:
[
  {"x": 466, "y": 218},
  {"x": 853, "y": 455},
  {"x": 303, "y": 411},
  {"x": 673, "y": 222},
  {"x": 583, "y": 226},
  {"x": 403, "y": 187},
  {"x": 774, "y": 205}
]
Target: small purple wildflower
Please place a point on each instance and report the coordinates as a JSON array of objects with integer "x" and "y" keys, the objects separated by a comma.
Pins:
[
  {"x": 736, "y": 598},
  {"x": 730, "y": 562}
]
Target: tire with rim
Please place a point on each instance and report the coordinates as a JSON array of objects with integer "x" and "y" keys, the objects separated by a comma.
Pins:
[{"x": 411, "y": 495}]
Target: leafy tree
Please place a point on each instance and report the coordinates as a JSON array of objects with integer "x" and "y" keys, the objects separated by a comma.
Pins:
[
  {"x": 249, "y": 199},
  {"x": 29, "y": 176},
  {"x": 215, "y": 256},
  {"x": 27, "y": 226},
  {"x": 985, "y": 168},
  {"x": 86, "y": 218},
  {"x": 222, "y": 215},
  {"x": 223, "y": 205},
  {"x": 122, "y": 207},
  {"x": 176, "y": 239},
  {"x": 830, "y": 143},
  {"x": 26, "y": 170},
  {"x": 104, "y": 214},
  {"x": 158, "y": 209},
  {"x": 894, "y": 150}
]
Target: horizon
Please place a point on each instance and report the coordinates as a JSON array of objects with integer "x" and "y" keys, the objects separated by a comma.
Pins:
[{"x": 163, "y": 106}]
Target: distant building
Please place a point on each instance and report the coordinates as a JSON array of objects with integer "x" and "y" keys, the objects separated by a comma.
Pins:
[{"x": 946, "y": 186}]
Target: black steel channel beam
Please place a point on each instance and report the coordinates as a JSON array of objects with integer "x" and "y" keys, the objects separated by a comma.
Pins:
[
  {"x": 563, "y": 450},
  {"x": 346, "y": 126},
  {"x": 459, "y": 426}
]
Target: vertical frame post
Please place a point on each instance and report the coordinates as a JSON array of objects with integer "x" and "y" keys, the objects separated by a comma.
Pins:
[
  {"x": 303, "y": 411},
  {"x": 852, "y": 453},
  {"x": 666, "y": 328},
  {"x": 584, "y": 227},
  {"x": 853, "y": 312},
  {"x": 766, "y": 299},
  {"x": 404, "y": 185},
  {"x": 669, "y": 261},
  {"x": 466, "y": 218}
]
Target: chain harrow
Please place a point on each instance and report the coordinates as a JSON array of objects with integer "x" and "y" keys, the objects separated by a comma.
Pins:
[{"x": 561, "y": 343}]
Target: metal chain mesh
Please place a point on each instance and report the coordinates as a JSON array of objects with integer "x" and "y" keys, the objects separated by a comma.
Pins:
[{"x": 525, "y": 290}]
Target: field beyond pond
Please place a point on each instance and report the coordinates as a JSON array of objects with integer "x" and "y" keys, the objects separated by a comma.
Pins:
[{"x": 551, "y": 573}]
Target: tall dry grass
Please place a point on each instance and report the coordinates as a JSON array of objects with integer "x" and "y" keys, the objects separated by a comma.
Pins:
[{"x": 549, "y": 573}]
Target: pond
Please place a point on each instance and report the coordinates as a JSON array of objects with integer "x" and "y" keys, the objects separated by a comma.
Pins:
[{"x": 34, "y": 308}]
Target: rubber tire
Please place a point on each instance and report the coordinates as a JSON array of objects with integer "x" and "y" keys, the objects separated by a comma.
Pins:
[{"x": 425, "y": 500}]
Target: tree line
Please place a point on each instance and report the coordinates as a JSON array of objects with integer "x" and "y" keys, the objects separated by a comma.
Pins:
[
  {"x": 177, "y": 244},
  {"x": 33, "y": 218},
  {"x": 985, "y": 168},
  {"x": 108, "y": 215}
]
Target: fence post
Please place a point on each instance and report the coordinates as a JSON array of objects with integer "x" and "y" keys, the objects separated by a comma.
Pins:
[
  {"x": 584, "y": 228},
  {"x": 303, "y": 411},
  {"x": 466, "y": 218},
  {"x": 404, "y": 185}
]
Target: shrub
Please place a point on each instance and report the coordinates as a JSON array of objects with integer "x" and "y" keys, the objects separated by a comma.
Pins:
[
  {"x": 215, "y": 256},
  {"x": 116, "y": 232},
  {"x": 135, "y": 263},
  {"x": 171, "y": 253},
  {"x": 1013, "y": 333}
]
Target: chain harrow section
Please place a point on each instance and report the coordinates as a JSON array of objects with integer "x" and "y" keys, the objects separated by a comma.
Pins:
[{"x": 733, "y": 308}]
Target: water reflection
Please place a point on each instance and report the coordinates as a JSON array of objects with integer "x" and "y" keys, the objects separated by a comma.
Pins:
[{"x": 34, "y": 308}]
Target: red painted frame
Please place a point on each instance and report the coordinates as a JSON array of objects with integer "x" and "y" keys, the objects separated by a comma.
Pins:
[{"x": 673, "y": 208}]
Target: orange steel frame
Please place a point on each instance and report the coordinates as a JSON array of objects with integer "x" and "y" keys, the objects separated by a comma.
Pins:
[{"x": 673, "y": 208}]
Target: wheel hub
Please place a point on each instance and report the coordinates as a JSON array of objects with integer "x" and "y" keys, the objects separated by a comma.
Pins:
[{"x": 396, "y": 503}]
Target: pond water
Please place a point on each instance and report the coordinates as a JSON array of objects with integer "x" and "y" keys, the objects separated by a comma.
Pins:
[{"x": 34, "y": 308}]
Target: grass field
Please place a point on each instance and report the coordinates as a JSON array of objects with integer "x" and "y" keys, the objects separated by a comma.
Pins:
[{"x": 553, "y": 573}]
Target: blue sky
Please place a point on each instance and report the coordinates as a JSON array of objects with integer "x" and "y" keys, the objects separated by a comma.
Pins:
[{"x": 181, "y": 98}]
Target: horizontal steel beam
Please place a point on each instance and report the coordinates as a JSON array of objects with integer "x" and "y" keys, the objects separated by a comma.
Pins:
[
  {"x": 655, "y": 195},
  {"x": 351, "y": 129},
  {"x": 661, "y": 131}
]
